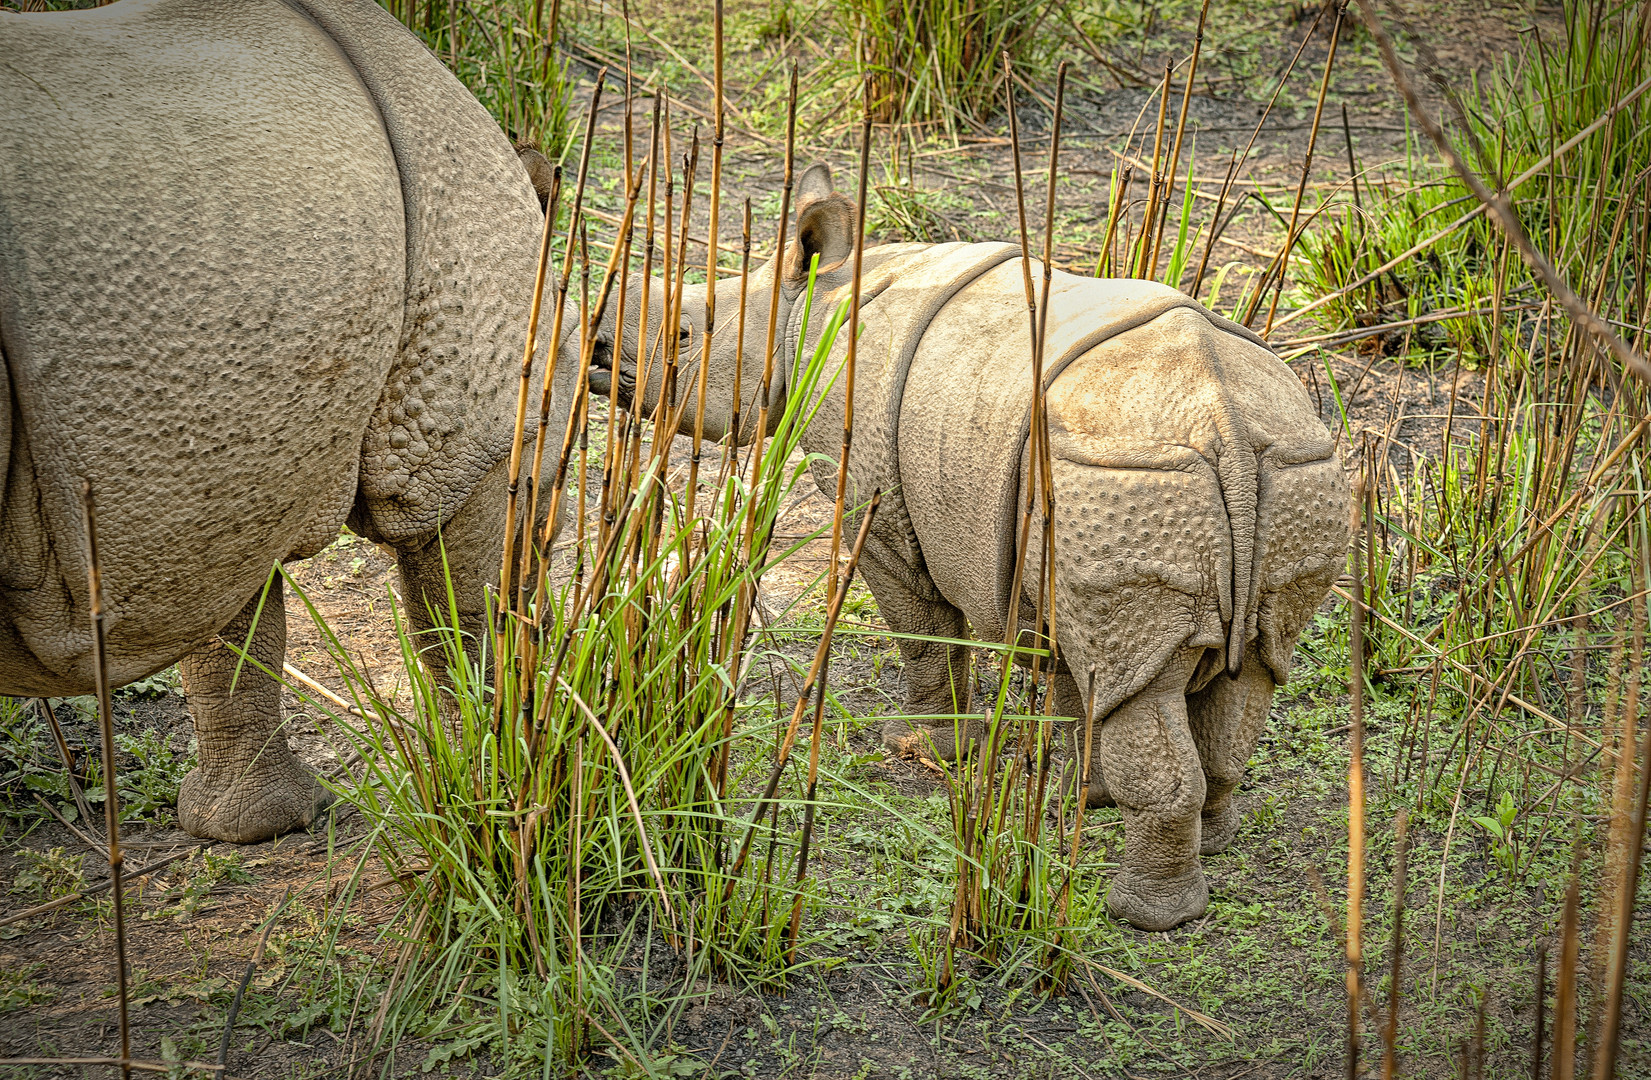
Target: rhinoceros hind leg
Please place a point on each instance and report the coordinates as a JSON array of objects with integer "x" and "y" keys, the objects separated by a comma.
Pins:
[
  {"x": 1227, "y": 718},
  {"x": 1152, "y": 770},
  {"x": 936, "y": 674},
  {"x": 248, "y": 786},
  {"x": 1069, "y": 701},
  {"x": 464, "y": 555}
]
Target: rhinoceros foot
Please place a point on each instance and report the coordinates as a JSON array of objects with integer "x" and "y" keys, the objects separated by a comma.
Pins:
[
  {"x": 1220, "y": 825},
  {"x": 1155, "y": 903},
  {"x": 260, "y": 802}
]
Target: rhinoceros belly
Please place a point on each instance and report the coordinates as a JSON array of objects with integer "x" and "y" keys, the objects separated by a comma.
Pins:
[{"x": 203, "y": 265}]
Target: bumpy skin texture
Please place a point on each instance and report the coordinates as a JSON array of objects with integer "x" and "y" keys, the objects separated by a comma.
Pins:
[
  {"x": 264, "y": 267},
  {"x": 1200, "y": 516}
]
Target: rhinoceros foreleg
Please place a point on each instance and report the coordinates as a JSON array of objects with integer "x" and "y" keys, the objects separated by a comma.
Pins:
[
  {"x": 936, "y": 673},
  {"x": 1147, "y": 753},
  {"x": 248, "y": 786},
  {"x": 1227, "y": 718}
]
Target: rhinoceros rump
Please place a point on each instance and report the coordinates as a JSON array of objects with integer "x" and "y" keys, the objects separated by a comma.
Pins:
[
  {"x": 265, "y": 267},
  {"x": 1200, "y": 512}
]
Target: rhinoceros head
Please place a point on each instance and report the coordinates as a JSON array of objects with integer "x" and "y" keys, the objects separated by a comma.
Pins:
[{"x": 823, "y": 230}]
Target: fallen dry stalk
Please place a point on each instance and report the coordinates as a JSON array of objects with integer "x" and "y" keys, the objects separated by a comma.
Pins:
[{"x": 95, "y": 890}]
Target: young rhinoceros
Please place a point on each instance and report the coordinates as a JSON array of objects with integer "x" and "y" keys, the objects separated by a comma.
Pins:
[
  {"x": 265, "y": 267},
  {"x": 1200, "y": 511}
]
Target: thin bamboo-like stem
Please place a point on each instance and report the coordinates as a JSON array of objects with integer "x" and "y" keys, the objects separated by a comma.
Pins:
[
  {"x": 853, "y": 325},
  {"x": 1390, "y": 1033},
  {"x": 1355, "y": 770},
  {"x": 1605, "y": 1064},
  {"x": 789, "y": 738},
  {"x": 643, "y": 353},
  {"x": 525, "y": 382},
  {"x": 582, "y": 379},
  {"x": 111, "y": 792},
  {"x": 562, "y": 284},
  {"x": 1541, "y": 1010},
  {"x": 1565, "y": 992},
  {"x": 1155, "y": 185},
  {"x": 853, "y": 333},
  {"x": 1290, "y": 233},
  {"x": 1103, "y": 264},
  {"x": 713, "y": 236},
  {"x": 730, "y": 444},
  {"x": 1215, "y": 225},
  {"x": 1180, "y": 130},
  {"x": 777, "y": 268}
]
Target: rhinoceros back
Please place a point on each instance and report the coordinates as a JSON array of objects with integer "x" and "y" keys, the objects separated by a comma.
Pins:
[
  {"x": 1175, "y": 436},
  {"x": 202, "y": 260}
]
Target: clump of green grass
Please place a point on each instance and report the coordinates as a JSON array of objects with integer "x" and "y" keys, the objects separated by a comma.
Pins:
[
  {"x": 505, "y": 53},
  {"x": 591, "y": 807},
  {"x": 939, "y": 62}
]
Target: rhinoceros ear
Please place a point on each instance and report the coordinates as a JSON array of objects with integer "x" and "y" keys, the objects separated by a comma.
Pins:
[
  {"x": 825, "y": 227},
  {"x": 539, "y": 170},
  {"x": 816, "y": 183}
]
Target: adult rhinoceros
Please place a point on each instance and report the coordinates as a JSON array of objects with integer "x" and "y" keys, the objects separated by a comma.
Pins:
[
  {"x": 265, "y": 269},
  {"x": 1200, "y": 511}
]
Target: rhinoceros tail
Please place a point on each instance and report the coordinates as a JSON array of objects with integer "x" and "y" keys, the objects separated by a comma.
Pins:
[{"x": 1238, "y": 472}]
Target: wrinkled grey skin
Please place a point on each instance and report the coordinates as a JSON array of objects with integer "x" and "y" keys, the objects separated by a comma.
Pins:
[
  {"x": 1200, "y": 512},
  {"x": 265, "y": 269}
]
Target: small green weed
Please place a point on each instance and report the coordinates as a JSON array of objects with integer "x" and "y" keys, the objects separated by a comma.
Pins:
[
  {"x": 49, "y": 874},
  {"x": 18, "y": 990}
]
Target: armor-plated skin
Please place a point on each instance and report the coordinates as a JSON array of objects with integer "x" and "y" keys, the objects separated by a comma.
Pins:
[
  {"x": 265, "y": 268},
  {"x": 1200, "y": 510}
]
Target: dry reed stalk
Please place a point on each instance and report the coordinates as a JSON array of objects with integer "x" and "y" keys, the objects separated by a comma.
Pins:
[
  {"x": 1501, "y": 211},
  {"x": 1565, "y": 993},
  {"x": 516, "y": 442},
  {"x": 713, "y": 237},
  {"x": 838, "y": 508},
  {"x": 778, "y": 265},
  {"x": 1364, "y": 509},
  {"x": 1291, "y": 233},
  {"x": 551, "y": 359},
  {"x": 94, "y": 890},
  {"x": 1104, "y": 262},
  {"x": 613, "y": 446},
  {"x": 576, "y": 777},
  {"x": 63, "y": 752},
  {"x": 111, "y": 793},
  {"x": 853, "y": 333},
  {"x": 1541, "y": 1009},
  {"x": 1180, "y": 130},
  {"x": 1610, "y": 1034},
  {"x": 789, "y": 738},
  {"x": 671, "y": 414},
  {"x": 1215, "y": 225},
  {"x": 730, "y": 451},
  {"x": 823, "y": 658},
  {"x": 591, "y": 320},
  {"x": 748, "y": 594},
  {"x": 1390, "y": 1033},
  {"x": 1622, "y": 840},
  {"x": 1155, "y": 185},
  {"x": 1040, "y": 431},
  {"x": 643, "y": 346}
]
